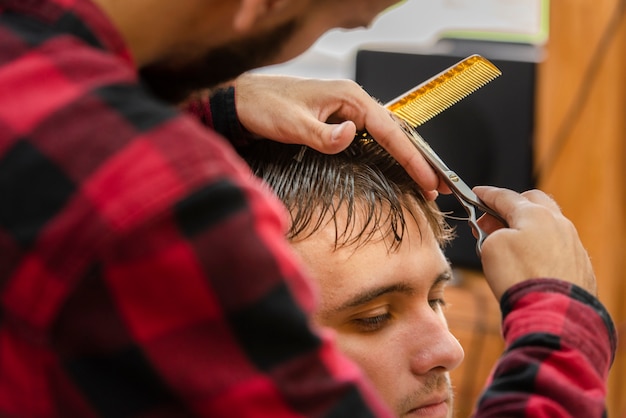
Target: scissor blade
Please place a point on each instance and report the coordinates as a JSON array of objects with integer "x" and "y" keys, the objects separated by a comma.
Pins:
[{"x": 458, "y": 187}]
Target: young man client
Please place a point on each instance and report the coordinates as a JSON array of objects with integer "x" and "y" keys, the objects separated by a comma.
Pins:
[{"x": 373, "y": 244}]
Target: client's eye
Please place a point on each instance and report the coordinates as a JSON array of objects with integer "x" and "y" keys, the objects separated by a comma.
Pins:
[
  {"x": 437, "y": 303},
  {"x": 372, "y": 323}
]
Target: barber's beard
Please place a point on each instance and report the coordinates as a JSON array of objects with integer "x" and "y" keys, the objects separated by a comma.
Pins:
[{"x": 175, "y": 77}]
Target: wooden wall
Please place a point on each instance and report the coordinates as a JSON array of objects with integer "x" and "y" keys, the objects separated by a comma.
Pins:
[
  {"x": 581, "y": 145},
  {"x": 580, "y": 158},
  {"x": 474, "y": 318}
]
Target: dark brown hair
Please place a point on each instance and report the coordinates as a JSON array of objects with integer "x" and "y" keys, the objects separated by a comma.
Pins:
[{"x": 364, "y": 178}]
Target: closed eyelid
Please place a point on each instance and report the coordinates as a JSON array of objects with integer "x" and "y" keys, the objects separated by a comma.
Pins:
[
  {"x": 438, "y": 287},
  {"x": 442, "y": 279},
  {"x": 372, "y": 323},
  {"x": 369, "y": 295},
  {"x": 439, "y": 284}
]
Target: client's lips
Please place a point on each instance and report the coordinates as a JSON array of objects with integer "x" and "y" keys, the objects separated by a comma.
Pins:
[{"x": 435, "y": 407}]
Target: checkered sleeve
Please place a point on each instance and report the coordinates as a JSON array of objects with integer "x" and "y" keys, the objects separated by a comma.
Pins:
[
  {"x": 143, "y": 270},
  {"x": 197, "y": 304},
  {"x": 177, "y": 293},
  {"x": 561, "y": 343},
  {"x": 212, "y": 303}
]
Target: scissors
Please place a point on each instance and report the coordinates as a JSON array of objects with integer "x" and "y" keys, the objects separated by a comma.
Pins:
[{"x": 463, "y": 193}]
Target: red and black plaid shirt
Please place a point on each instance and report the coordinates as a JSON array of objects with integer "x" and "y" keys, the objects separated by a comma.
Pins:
[
  {"x": 560, "y": 344},
  {"x": 144, "y": 273}
]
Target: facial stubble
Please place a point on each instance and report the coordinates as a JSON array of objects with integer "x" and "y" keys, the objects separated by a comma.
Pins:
[{"x": 174, "y": 77}]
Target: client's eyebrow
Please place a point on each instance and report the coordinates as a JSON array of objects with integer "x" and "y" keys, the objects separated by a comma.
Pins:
[{"x": 370, "y": 294}]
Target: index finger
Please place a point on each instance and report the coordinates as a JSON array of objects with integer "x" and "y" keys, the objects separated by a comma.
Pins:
[{"x": 507, "y": 203}]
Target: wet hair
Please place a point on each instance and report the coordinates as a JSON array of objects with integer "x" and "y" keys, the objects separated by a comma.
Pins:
[{"x": 376, "y": 191}]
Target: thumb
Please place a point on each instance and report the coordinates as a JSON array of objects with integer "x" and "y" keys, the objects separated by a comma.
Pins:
[{"x": 330, "y": 138}]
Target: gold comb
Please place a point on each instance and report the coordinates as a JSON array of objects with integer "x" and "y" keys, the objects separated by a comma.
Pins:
[{"x": 435, "y": 95}]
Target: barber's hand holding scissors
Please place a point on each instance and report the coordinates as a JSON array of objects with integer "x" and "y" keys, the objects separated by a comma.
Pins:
[{"x": 540, "y": 242}]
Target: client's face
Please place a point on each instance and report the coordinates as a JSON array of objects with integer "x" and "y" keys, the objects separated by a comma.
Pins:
[{"x": 387, "y": 310}]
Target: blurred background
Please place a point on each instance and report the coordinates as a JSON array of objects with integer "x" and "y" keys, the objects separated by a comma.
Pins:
[{"x": 554, "y": 120}]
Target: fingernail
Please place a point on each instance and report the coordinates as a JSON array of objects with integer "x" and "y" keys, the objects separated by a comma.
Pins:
[{"x": 337, "y": 132}]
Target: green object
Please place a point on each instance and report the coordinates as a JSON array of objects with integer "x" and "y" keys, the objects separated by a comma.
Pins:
[{"x": 532, "y": 38}]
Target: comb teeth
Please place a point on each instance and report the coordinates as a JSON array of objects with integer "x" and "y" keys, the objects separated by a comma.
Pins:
[{"x": 435, "y": 95}]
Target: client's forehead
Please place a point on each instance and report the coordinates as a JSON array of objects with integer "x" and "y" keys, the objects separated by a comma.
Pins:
[
  {"x": 354, "y": 223},
  {"x": 342, "y": 272}
]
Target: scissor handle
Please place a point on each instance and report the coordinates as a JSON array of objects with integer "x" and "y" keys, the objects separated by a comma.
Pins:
[
  {"x": 466, "y": 195},
  {"x": 468, "y": 199},
  {"x": 471, "y": 219}
]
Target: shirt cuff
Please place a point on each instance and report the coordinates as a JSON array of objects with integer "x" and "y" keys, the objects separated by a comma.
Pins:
[{"x": 224, "y": 115}]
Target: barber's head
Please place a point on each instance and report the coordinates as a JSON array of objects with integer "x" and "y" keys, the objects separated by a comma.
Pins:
[
  {"x": 182, "y": 46},
  {"x": 373, "y": 245}
]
